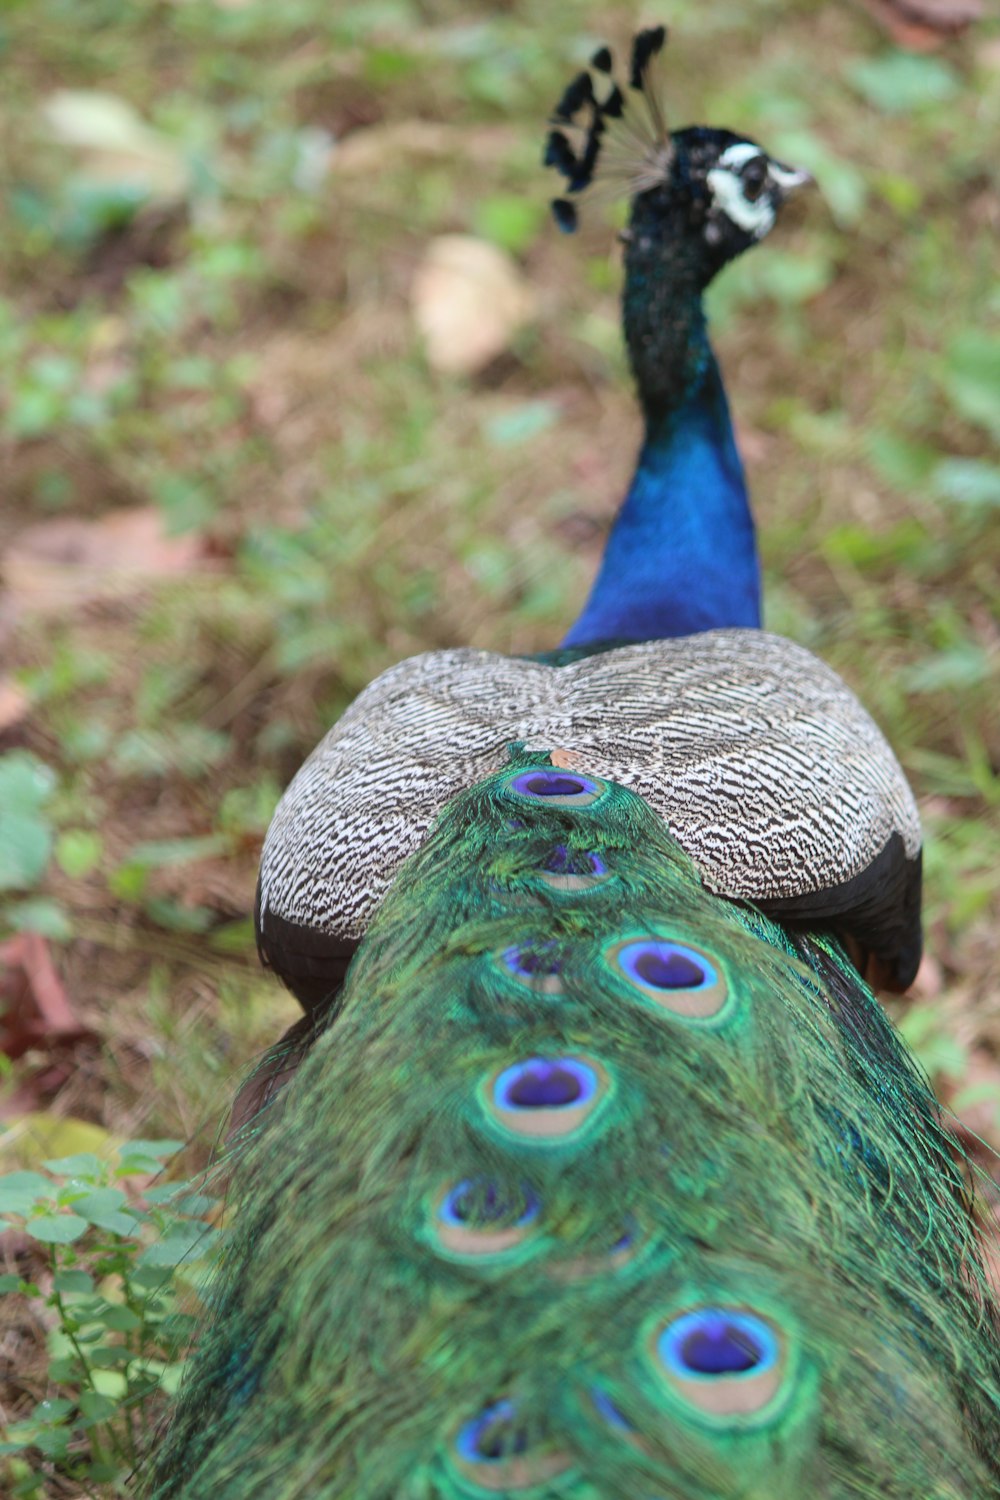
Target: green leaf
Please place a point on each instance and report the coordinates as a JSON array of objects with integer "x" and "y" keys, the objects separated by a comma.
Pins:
[
  {"x": 26, "y": 842},
  {"x": 971, "y": 378},
  {"x": 42, "y": 915},
  {"x": 120, "y": 1318},
  {"x": 899, "y": 83},
  {"x": 56, "y": 1229},
  {"x": 152, "y": 1148},
  {"x": 54, "y": 1410},
  {"x": 183, "y": 1242},
  {"x": 110, "y": 1383},
  {"x": 10, "y": 1283},
  {"x": 104, "y": 1208},
  {"x": 520, "y": 423},
  {"x": 97, "y": 1407},
  {"x": 73, "y": 1281},
  {"x": 962, "y": 666},
  {"x": 20, "y": 1191},
  {"x": 968, "y": 481},
  {"x": 82, "y": 1164},
  {"x": 78, "y": 852}
]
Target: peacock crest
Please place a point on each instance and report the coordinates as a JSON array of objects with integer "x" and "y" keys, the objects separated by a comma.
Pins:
[{"x": 617, "y": 140}]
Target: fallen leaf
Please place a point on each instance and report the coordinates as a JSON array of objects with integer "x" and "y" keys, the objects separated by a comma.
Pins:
[
  {"x": 116, "y": 146},
  {"x": 36, "y": 1008},
  {"x": 62, "y": 563},
  {"x": 469, "y": 298},
  {"x": 14, "y": 704},
  {"x": 37, "y": 1134},
  {"x": 923, "y": 25}
]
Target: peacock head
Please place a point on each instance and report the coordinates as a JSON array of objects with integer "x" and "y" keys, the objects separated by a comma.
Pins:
[{"x": 700, "y": 196}]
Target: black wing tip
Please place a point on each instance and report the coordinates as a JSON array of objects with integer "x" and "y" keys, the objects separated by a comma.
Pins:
[{"x": 601, "y": 60}]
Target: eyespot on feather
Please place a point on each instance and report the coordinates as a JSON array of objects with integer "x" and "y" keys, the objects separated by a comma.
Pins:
[
  {"x": 573, "y": 870},
  {"x": 726, "y": 1364},
  {"x": 555, "y": 788},
  {"x": 495, "y": 1451},
  {"x": 675, "y": 976},
  {"x": 546, "y": 1101},
  {"x": 478, "y": 1218},
  {"x": 538, "y": 966}
]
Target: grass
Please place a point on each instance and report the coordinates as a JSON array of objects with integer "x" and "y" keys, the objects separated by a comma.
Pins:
[{"x": 230, "y": 344}]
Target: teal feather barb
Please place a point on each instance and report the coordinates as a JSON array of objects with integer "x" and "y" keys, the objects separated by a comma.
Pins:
[{"x": 597, "y": 1186}]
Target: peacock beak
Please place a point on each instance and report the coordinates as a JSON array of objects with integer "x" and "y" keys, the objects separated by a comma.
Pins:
[{"x": 788, "y": 180}]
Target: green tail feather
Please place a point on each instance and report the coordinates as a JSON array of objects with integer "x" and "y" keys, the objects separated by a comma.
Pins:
[{"x": 598, "y": 1186}]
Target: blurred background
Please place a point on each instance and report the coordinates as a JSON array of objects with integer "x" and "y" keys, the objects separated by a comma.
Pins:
[{"x": 267, "y": 427}]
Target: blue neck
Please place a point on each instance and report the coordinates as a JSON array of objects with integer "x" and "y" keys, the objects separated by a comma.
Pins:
[{"x": 681, "y": 556}]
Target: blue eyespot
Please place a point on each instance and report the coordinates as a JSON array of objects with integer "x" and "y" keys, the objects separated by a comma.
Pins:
[
  {"x": 666, "y": 966},
  {"x": 726, "y": 1366},
  {"x": 545, "y": 1100},
  {"x": 492, "y": 1436},
  {"x": 478, "y": 1202},
  {"x": 563, "y": 861},
  {"x": 556, "y": 788},
  {"x": 675, "y": 976},
  {"x": 572, "y": 869},
  {"x": 541, "y": 1083},
  {"x": 713, "y": 1342},
  {"x": 499, "y": 1449},
  {"x": 537, "y": 964}
]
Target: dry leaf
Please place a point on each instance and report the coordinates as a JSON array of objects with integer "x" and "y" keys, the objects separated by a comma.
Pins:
[
  {"x": 469, "y": 298},
  {"x": 923, "y": 25},
  {"x": 36, "y": 1008},
  {"x": 116, "y": 145},
  {"x": 29, "y": 1138},
  {"x": 57, "y": 565},
  {"x": 14, "y": 703}
]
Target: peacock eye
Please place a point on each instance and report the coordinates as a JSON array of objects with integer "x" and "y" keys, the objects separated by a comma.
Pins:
[
  {"x": 499, "y": 1450},
  {"x": 556, "y": 788},
  {"x": 546, "y": 1100},
  {"x": 726, "y": 1362},
  {"x": 573, "y": 869},
  {"x": 754, "y": 178},
  {"x": 536, "y": 965},
  {"x": 677, "y": 977},
  {"x": 479, "y": 1219},
  {"x": 480, "y": 1203}
]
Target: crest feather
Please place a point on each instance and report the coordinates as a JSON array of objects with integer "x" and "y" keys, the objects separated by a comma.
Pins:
[{"x": 599, "y": 140}]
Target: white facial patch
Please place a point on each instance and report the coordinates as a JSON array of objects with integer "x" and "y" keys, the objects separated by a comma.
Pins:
[{"x": 726, "y": 187}]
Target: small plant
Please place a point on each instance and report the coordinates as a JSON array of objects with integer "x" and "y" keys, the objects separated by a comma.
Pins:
[{"x": 114, "y": 1267}]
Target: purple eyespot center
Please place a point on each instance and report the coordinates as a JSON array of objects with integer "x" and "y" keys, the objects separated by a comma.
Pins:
[
  {"x": 544, "y": 1083},
  {"x": 714, "y": 1342},
  {"x": 532, "y": 963},
  {"x": 564, "y": 861},
  {"x": 546, "y": 783},
  {"x": 666, "y": 966}
]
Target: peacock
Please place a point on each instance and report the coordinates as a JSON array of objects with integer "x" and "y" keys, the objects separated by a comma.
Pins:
[{"x": 595, "y": 1171}]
